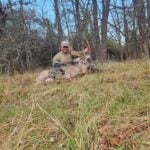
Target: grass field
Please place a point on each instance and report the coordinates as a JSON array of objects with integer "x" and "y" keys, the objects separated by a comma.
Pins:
[{"x": 100, "y": 111}]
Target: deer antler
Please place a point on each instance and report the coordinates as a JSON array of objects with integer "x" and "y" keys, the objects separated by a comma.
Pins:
[{"x": 86, "y": 43}]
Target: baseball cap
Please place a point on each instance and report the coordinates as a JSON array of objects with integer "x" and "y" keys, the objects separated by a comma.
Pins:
[{"x": 65, "y": 43}]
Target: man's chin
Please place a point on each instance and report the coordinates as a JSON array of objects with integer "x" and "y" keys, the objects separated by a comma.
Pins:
[{"x": 65, "y": 52}]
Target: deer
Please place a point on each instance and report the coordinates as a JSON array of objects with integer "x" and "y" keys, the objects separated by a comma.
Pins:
[{"x": 80, "y": 66}]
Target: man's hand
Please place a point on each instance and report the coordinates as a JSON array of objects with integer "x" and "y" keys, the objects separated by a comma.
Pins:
[{"x": 86, "y": 50}]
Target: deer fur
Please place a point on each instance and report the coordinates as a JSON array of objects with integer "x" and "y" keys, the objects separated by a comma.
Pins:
[{"x": 71, "y": 71}]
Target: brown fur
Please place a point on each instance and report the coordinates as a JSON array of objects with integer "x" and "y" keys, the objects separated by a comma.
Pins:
[{"x": 71, "y": 71}]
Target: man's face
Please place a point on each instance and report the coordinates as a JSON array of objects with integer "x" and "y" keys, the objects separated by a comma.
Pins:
[{"x": 65, "y": 49}]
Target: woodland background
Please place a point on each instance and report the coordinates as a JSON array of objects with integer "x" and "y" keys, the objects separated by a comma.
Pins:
[{"x": 115, "y": 29}]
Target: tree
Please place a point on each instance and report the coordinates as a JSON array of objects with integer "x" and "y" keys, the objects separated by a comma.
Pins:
[
  {"x": 148, "y": 31},
  {"x": 58, "y": 21},
  {"x": 126, "y": 29},
  {"x": 96, "y": 30},
  {"x": 141, "y": 22},
  {"x": 105, "y": 13},
  {"x": 3, "y": 17},
  {"x": 78, "y": 24},
  {"x": 117, "y": 23}
]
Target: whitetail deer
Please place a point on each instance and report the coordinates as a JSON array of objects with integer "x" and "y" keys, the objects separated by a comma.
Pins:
[{"x": 81, "y": 65}]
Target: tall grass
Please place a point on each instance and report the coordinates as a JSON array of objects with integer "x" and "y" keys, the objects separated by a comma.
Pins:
[{"x": 105, "y": 110}]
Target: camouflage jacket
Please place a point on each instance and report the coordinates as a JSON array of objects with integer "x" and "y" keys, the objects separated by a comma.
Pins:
[{"x": 66, "y": 58}]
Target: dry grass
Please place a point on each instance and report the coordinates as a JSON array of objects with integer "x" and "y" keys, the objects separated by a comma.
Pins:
[{"x": 105, "y": 110}]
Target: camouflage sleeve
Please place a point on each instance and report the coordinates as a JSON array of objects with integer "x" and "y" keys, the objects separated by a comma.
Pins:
[{"x": 77, "y": 53}]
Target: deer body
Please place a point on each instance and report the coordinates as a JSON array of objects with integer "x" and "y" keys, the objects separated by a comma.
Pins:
[
  {"x": 82, "y": 66},
  {"x": 70, "y": 71},
  {"x": 42, "y": 76}
]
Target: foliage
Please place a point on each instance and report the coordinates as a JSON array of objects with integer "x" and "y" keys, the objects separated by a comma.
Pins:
[
  {"x": 26, "y": 42},
  {"x": 114, "y": 50}
]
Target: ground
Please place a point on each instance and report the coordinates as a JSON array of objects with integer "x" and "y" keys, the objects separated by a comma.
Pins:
[{"x": 105, "y": 110}]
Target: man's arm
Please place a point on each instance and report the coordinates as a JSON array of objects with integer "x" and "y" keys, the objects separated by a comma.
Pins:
[
  {"x": 56, "y": 58},
  {"x": 77, "y": 53},
  {"x": 80, "y": 53}
]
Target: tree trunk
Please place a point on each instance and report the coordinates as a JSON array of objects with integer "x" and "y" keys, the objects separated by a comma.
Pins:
[
  {"x": 3, "y": 18},
  {"x": 66, "y": 20},
  {"x": 78, "y": 25},
  {"x": 116, "y": 22},
  {"x": 58, "y": 21},
  {"x": 136, "y": 50},
  {"x": 141, "y": 22},
  {"x": 148, "y": 12},
  {"x": 105, "y": 13},
  {"x": 148, "y": 32},
  {"x": 96, "y": 30},
  {"x": 126, "y": 31}
]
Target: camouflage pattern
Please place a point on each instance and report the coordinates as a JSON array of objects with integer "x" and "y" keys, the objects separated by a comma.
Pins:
[
  {"x": 62, "y": 59},
  {"x": 66, "y": 58},
  {"x": 68, "y": 71}
]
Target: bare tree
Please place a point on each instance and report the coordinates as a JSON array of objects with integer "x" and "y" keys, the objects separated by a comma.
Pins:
[
  {"x": 126, "y": 30},
  {"x": 148, "y": 31},
  {"x": 117, "y": 23},
  {"x": 134, "y": 37},
  {"x": 3, "y": 17},
  {"x": 23, "y": 33},
  {"x": 58, "y": 20},
  {"x": 141, "y": 21},
  {"x": 78, "y": 24},
  {"x": 105, "y": 13},
  {"x": 96, "y": 30},
  {"x": 66, "y": 19},
  {"x": 148, "y": 12}
]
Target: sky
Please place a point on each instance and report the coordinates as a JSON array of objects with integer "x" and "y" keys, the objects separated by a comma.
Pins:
[
  {"x": 42, "y": 7},
  {"x": 45, "y": 8}
]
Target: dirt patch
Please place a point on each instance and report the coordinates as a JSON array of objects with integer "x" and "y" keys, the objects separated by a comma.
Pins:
[{"x": 125, "y": 135}]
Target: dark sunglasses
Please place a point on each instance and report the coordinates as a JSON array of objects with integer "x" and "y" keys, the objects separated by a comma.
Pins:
[{"x": 65, "y": 47}]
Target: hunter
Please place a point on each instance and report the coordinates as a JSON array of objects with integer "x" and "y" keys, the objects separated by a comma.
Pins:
[{"x": 65, "y": 56}]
